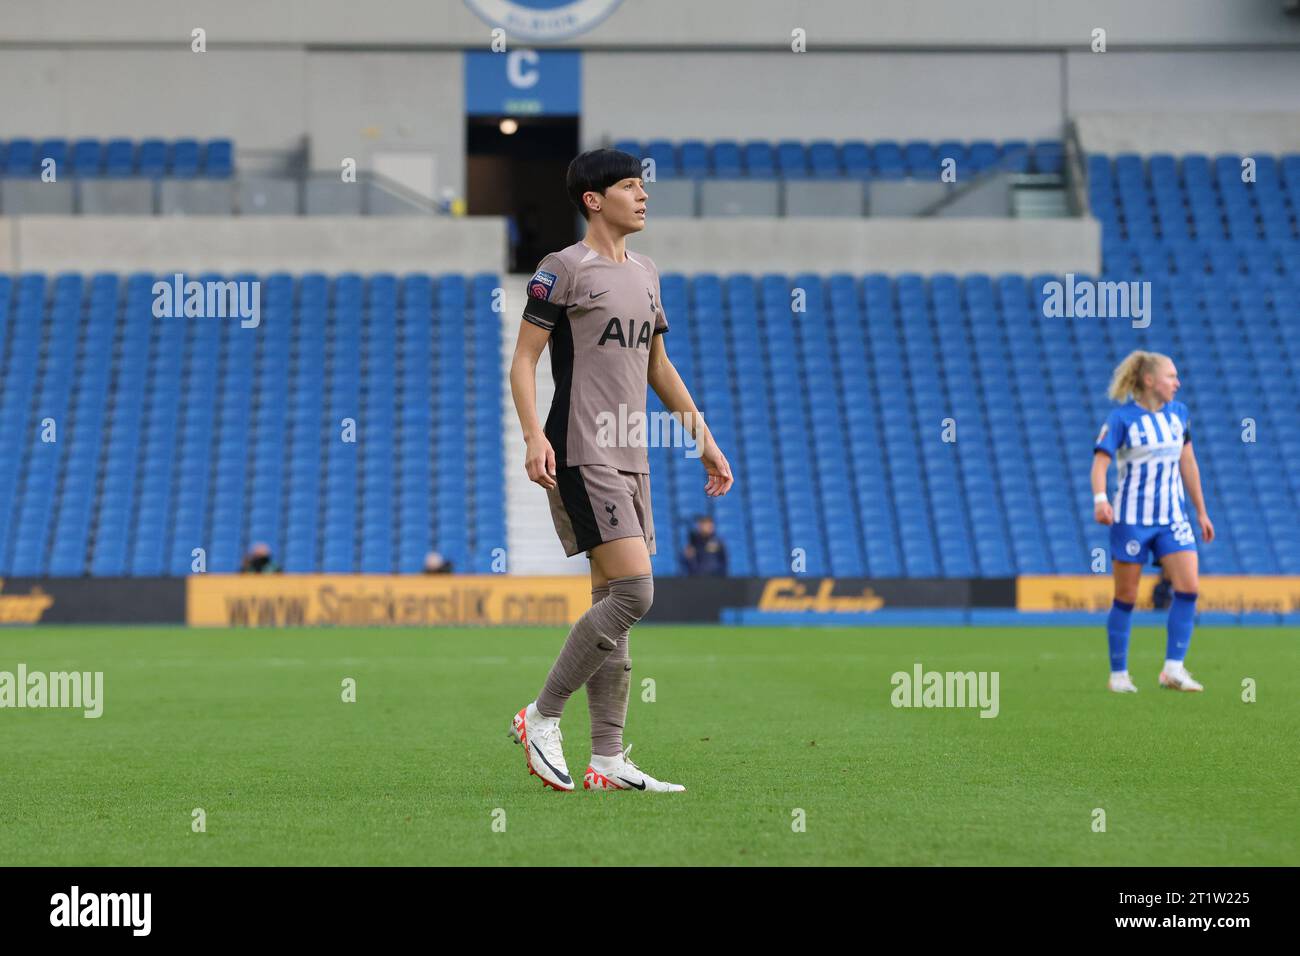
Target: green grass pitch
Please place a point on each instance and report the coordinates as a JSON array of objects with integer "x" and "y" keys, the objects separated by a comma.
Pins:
[{"x": 250, "y": 726}]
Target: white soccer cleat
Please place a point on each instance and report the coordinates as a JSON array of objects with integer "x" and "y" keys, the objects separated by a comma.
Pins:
[
  {"x": 541, "y": 739},
  {"x": 1122, "y": 684},
  {"x": 1179, "y": 680},
  {"x": 619, "y": 773}
]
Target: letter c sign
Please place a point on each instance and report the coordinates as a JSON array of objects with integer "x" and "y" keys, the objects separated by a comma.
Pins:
[{"x": 521, "y": 69}]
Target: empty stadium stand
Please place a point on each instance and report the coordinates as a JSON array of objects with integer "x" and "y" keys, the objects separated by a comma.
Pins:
[
  {"x": 121, "y": 177},
  {"x": 823, "y": 159},
  {"x": 119, "y": 158},
  {"x": 174, "y": 434},
  {"x": 833, "y": 420},
  {"x": 825, "y": 179},
  {"x": 116, "y": 177},
  {"x": 832, "y": 467}
]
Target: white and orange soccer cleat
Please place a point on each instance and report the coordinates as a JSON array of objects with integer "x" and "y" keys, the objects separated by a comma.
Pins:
[
  {"x": 1179, "y": 680},
  {"x": 619, "y": 773},
  {"x": 1122, "y": 684},
  {"x": 541, "y": 739}
]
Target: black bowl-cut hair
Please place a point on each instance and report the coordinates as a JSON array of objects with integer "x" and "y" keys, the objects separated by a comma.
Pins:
[{"x": 596, "y": 170}]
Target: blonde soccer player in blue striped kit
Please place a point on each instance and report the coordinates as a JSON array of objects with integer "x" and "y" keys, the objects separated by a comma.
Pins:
[{"x": 1149, "y": 438}]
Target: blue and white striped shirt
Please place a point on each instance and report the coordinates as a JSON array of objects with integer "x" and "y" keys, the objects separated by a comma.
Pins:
[{"x": 1146, "y": 447}]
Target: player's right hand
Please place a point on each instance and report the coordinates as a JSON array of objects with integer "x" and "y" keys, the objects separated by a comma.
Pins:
[
  {"x": 1101, "y": 511},
  {"x": 539, "y": 462},
  {"x": 718, "y": 471}
]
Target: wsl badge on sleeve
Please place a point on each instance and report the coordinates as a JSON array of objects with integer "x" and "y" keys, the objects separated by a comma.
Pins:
[
  {"x": 540, "y": 285},
  {"x": 543, "y": 19}
]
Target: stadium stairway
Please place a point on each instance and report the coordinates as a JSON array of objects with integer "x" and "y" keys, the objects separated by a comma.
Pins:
[{"x": 532, "y": 547}]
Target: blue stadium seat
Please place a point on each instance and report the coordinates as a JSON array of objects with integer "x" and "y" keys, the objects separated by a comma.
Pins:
[
  {"x": 183, "y": 159},
  {"x": 119, "y": 158},
  {"x": 695, "y": 159},
  {"x": 20, "y": 157},
  {"x": 1048, "y": 156},
  {"x": 664, "y": 155},
  {"x": 888, "y": 161},
  {"x": 87, "y": 157},
  {"x": 152, "y": 158},
  {"x": 855, "y": 156},
  {"x": 824, "y": 159},
  {"x": 727, "y": 160},
  {"x": 792, "y": 159},
  {"x": 219, "y": 159},
  {"x": 56, "y": 150},
  {"x": 760, "y": 160}
]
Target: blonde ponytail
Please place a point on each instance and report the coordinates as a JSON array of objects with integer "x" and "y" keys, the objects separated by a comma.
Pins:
[{"x": 1127, "y": 380}]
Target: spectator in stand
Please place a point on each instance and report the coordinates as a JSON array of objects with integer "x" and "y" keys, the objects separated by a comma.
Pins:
[
  {"x": 705, "y": 555},
  {"x": 259, "y": 561},
  {"x": 435, "y": 563}
]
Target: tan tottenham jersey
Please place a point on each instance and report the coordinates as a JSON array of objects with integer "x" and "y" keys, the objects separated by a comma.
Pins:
[{"x": 602, "y": 316}]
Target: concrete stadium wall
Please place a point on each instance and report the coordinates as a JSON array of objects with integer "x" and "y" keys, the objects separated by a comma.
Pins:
[
  {"x": 87, "y": 243},
  {"x": 352, "y": 104},
  {"x": 1004, "y": 95},
  {"x": 1186, "y": 101},
  {"x": 1145, "y": 133},
  {"x": 8, "y": 261},
  {"x": 859, "y": 246},
  {"x": 345, "y": 104},
  {"x": 254, "y": 95},
  {"x": 355, "y": 81},
  {"x": 676, "y": 23},
  {"x": 227, "y": 244},
  {"x": 833, "y": 95},
  {"x": 360, "y": 104},
  {"x": 1258, "y": 81}
]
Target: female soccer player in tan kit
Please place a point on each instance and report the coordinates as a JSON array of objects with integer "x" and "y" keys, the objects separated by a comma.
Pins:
[{"x": 598, "y": 306}]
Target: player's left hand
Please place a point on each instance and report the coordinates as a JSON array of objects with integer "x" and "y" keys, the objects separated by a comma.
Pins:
[
  {"x": 1207, "y": 529},
  {"x": 718, "y": 470}
]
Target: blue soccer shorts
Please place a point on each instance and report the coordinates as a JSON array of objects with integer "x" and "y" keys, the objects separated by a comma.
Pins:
[{"x": 1135, "y": 542}]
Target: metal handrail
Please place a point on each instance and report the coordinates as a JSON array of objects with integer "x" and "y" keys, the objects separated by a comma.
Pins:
[
  {"x": 366, "y": 181},
  {"x": 961, "y": 190},
  {"x": 1076, "y": 175}
]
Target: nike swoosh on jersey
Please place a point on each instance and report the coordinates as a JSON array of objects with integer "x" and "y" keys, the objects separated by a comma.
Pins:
[{"x": 597, "y": 295}]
